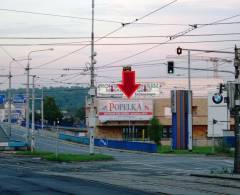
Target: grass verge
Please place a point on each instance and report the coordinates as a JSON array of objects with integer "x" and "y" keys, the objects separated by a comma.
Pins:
[
  {"x": 62, "y": 157},
  {"x": 196, "y": 150}
]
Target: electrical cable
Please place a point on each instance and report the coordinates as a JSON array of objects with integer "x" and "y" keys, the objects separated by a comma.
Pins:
[
  {"x": 10, "y": 56},
  {"x": 122, "y": 44},
  {"x": 173, "y": 37},
  {"x": 58, "y": 15},
  {"x": 106, "y": 35},
  {"x": 122, "y": 37}
]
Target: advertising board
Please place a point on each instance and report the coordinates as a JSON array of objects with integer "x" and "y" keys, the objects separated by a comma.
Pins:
[
  {"x": 124, "y": 110},
  {"x": 146, "y": 89},
  {"x": 2, "y": 99},
  {"x": 19, "y": 98}
]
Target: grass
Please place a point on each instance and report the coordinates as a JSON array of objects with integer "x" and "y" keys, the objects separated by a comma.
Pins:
[
  {"x": 196, "y": 150},
  {"x": 66, "y": 157}
]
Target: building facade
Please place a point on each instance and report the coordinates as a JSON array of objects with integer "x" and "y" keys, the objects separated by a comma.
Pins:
[{"x": 120, "y": 118}]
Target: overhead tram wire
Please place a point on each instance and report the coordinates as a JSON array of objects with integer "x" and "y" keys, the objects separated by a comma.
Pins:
[
  {"x": 173, "y": 37},
  {"x": 11, "y": 57},
  {"x": 58, "y": 15},
  {"x": 122, "y": 37},
  {"x": 181, "y": 24},
  {"x": 124, "y": 44},
  {"x": 108, "y": 21},
  {"x": 106, "y": 35}
]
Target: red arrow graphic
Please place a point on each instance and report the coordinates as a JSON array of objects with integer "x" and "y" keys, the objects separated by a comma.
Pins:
[{"x": 128, "y": 85}]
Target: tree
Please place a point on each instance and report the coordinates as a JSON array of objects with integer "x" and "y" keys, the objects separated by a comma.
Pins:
[
  {"x": 155, "y": 130},
  {"x": 80, "y": 115},
  {"x": 51, "y": 110},
  {"x": 37, "y": 116}
]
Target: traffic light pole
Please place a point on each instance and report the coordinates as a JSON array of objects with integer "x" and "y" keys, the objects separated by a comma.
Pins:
[
  {"x": 189, "y": 104},
  {"x": 236, "y": 109}
]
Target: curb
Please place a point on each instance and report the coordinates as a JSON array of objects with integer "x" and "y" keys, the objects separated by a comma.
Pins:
[{"x": 218, "y": 176}]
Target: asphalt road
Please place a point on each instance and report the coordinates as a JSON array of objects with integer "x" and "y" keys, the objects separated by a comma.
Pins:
[
  {"x": 15, "y": 179},
  {"x": 168, "y": 174}
]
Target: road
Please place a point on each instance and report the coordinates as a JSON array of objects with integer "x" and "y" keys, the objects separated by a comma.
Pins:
[
  {"x": 168, "y": 174},
  {"x": 15, "y": 179}
]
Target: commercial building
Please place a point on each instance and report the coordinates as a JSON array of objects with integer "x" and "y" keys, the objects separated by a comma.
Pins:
[
  {"x": 120, "y": 118},
  {"x": 17, "y": 108}
]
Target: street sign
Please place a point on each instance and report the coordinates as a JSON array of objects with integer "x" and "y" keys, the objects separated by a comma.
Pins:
[{"x": 2, "y": 99}]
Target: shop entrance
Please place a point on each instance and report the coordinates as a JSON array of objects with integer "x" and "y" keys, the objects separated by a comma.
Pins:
[{"x": 134, "y": 133}]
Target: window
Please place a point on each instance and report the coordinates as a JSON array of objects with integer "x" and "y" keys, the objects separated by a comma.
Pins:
[
  {"x": 194, "y": 110},
  {"x": 167, "y": 112}
]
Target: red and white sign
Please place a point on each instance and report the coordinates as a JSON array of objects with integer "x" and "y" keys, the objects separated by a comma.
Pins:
[
  {"x": 146, "y": 89},
  {"x": 123, "y": 110}
]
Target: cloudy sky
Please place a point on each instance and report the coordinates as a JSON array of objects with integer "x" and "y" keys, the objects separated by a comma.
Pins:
[{"x": 66, "y": 25}]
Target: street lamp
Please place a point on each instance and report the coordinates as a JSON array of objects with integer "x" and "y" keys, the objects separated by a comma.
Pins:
[
  {"x": 9, "y": 91},
  {"x": 27, "y": 89}
]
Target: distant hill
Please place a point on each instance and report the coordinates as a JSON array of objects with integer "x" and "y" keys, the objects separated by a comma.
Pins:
[{"x": 67, "y": 98}]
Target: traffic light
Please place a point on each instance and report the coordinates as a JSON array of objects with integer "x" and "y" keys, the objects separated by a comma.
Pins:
[
  {"x": 170, "y": 67},
  {"x": 127, "y": 68},
  {"x": 179, "y": 51}
]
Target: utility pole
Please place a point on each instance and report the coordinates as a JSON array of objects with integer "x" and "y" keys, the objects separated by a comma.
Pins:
[
  {"x": 189, "y": 104},
  {"x": 33, "y": 114},
  {"x": 9, "y": 100},
  {"x": 27, "y": 98},
  {"x": 42, "y": 111},
  {"x": 57, "y": 144},
  {"x": 237, "y": 112},
  {"x": 92, "y": 91},
  {"x": 27, "y": 89}
]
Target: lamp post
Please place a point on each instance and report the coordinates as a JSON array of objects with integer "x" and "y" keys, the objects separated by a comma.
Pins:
[
  {"x": 42, "y": 112},
  {"x": 27, "y": 88},
  {"x": 33, "y": 114},
  {"x": 9, "y": 92},
  {"x": 9, "y": 96}
]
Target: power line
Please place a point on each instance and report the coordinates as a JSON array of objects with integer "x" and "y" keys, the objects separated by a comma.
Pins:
[
  {"x": 106, "y": 35},
  {"x": 121, "y": 37},
  {"x": 10, "y": 56},
  {"x": 58, "y": 15},
  {"x": 182, "y": 24},
  {"x": 173, "y": 37},
  {"x": 113, "y": 21},
  {"x": 123, "y": 44}
]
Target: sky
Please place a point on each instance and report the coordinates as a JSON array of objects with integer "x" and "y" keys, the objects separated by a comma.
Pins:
[{"x": 125, "y": 45}]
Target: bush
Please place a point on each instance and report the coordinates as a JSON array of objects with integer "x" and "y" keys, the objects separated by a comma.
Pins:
[{"x": 155, "y": 130}]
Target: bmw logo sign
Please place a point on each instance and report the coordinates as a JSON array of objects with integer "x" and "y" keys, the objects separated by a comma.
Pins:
[{"x": 217, "y": 98}]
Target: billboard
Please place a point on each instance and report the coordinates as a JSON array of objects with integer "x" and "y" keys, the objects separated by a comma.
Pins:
[
  {"x": 124, "y": 110},
  {"x": 146, "y": 89},
  {"x": 2, "y": 99},
  {"x": 20, "y": 98}
]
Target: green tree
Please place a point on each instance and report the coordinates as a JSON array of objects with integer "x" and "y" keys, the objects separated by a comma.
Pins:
[
  {"x": 51, "y": 110},
  {"x": 37, "y": 116},
  {"x": 80, "y": 114},
  {"x": 155, "y": 130}
]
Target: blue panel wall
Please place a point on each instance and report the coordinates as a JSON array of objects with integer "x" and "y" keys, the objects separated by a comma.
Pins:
[{"x": 125, "y": 145}]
